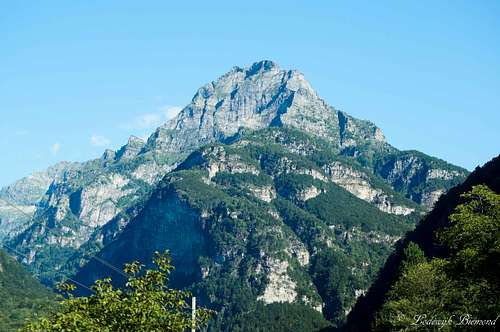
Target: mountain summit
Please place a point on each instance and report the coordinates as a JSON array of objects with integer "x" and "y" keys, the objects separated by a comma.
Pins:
[{"x": 256, "y": 97}]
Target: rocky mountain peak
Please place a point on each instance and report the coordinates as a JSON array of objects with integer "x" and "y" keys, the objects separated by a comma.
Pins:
[
  {"x": 131, "y": 149},
  {"x": 259, "y": 96},
  {"x": 255, "y": 68},
  {"x": 135, "y": 141},
  {"x": 264, "y": 65},
  {"x": 108, "y": 155}
]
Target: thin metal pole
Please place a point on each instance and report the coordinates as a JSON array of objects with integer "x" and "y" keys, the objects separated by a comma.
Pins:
[{"x": 193, "y": 314}]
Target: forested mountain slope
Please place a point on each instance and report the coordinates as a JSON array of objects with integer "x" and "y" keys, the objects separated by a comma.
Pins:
[
  {"x": 21, "y": 295},
  {"x": 426, "y": 237},
  {"x": 267, "y": 219}
]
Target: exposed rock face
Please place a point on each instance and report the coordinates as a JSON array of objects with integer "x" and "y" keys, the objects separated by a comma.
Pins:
[
  {"x": 431, "y": 197},
  {"x": 358, "y": 184},
  {"x": 308, "y": 193},
  {"x": 29, "y": 190},
  {"x": 98, "y": 202},
  {"x": 218, "y": 162},
  {"x": 279, "y": 288},
  {"x": 151, "y": 172},
  {"x": 257, "y": 97},
  {"x": 266, "y": 193},
  {"x": 131, "y": 149},
  {"x": 407, "y": 171},
  {"x": 13, "y": 219},
  {"x": 299, "y": 251},
  {"x": 18, "y": 201},
  {"x": 442, "y": 174},
  {"x": 108, "y": 155}
]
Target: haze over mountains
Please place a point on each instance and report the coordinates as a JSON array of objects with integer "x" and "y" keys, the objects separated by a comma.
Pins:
[{"x": 263, "y": 193}]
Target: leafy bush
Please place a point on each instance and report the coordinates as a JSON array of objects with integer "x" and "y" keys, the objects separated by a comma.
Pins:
[{"x": 146, "y": 304}]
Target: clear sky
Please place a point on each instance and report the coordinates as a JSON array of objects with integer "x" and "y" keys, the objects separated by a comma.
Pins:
[{"x": 77, "y": 77}]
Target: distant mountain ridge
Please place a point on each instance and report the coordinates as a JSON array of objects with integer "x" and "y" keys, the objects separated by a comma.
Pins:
[
  {"x": 273, "y": 138},
  {"x": 18, "y": 201}
]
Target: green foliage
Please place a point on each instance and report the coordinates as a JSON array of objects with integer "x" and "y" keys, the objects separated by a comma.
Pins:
[
  {"x": 331, "y": 207},
  {"x": 310, "y": 229},
  {"x": 412, "y": 256},
  {"x": 238, "y": 179},
  {"x": 474, "y": 235},
  {"x": 419, "y": 291},
  {"x": 145, "y": 304},
  {"x": 50, "y": 255},
  {"x": 21, "y": 296},
  {"x": 189, "y": 185},
  {"x": 466, "y": 282},
  {"x": 334, "y": 282}
]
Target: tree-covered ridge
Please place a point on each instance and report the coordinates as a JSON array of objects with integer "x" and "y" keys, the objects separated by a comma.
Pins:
[
  {"x": 22, "y": 297},
  {"x": 307, "y": 151},
  {"x": 447, "y": 266},
  {"x": 404, "y": 174},
  {"x": 465, "y": 286},
  {"x": 256, "y": 222}
]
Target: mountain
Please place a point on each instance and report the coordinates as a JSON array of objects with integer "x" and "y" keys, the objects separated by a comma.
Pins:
[
  {"x": 424, "y": 236},
  {"x": 259, "y": 188},
  {"x": 19, "y": 200},
  {"x": 262, "y": 221},
  {"x": 21, "y": 295}
]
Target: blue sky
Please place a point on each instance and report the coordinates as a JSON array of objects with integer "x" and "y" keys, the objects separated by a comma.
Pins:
[{"x": 77, "y": 77}]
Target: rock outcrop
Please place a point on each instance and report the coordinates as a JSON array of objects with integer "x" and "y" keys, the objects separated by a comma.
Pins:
[{"x": 19, "y": 200}]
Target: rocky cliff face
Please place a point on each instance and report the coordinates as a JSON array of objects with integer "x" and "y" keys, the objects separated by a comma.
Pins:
[
  {"x": 417, "y": 176},
  {"x": 268, "y": 137},
  {"x": 18, "y": 201},
  {"x": 358, "y": 184}
]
